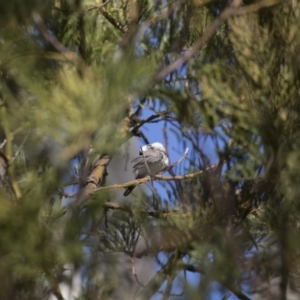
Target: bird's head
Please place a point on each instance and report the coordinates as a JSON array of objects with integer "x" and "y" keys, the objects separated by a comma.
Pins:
[
  {"x": 158, "y": 146},
  {"x": 155, "y": 146}
]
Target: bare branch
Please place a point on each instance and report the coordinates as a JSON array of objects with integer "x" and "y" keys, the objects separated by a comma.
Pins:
[{"x": 156, "y": 177}]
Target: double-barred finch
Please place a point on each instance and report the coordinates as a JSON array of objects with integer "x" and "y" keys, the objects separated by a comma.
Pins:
[{"x": 153, "y": 158}]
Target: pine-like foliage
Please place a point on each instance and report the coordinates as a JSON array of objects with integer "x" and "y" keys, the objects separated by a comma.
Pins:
[{"x": 76, "y": 77}]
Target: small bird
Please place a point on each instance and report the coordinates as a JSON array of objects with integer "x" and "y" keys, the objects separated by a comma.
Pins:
[{"x": 153, "y": 158}]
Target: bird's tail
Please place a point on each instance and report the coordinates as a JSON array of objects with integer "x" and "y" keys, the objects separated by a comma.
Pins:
[{"x": 128, "y": 191}]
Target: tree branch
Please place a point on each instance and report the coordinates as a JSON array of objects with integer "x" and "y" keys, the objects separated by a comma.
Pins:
[
  {"x": 156, "y": 177},
  {"x": 96, "y": 177},
  {"x": 228, "y": 12},
  {"x": 118, "y": 25}
]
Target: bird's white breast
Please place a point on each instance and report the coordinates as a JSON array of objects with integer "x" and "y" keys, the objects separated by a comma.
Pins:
[{"x": 154, "y": 168}]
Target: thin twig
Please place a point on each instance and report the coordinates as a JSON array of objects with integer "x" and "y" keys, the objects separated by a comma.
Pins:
[
  {"x": 179, "y": 160},
  {"x": 139, "y": 123},
  {"x": 133, "y": 266},
  {"x": 146, "y": 164},
  {"x": 19, "y": 149},
  {"x": 140, "y": 134},
  {"x": 140, "y": 106},
  {"x": 149, "y": 119}
]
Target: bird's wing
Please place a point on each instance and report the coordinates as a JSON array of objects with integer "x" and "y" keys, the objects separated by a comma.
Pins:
[
  {"x": 153, "y": 156},
  {"x": 139, "y": 162}
]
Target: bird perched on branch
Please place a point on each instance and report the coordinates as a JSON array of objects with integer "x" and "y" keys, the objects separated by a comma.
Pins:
[{"x": 153, "y": 159}]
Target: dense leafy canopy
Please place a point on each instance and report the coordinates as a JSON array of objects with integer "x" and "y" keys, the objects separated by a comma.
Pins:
[{"x": 76, "y": 74}]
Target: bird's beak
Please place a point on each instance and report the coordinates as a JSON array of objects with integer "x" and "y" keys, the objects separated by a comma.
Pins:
[{"x": 141, "y": 151}]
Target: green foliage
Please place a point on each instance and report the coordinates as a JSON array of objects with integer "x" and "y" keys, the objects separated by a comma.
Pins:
[{"x": 70, "y": 76}]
